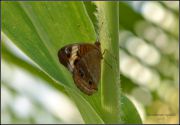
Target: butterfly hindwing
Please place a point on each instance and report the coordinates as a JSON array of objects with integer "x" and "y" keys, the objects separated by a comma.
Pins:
[{"x": 86, "y": 75}]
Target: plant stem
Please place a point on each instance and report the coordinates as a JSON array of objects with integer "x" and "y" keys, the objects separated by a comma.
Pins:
[{"x": 110, "y": 89}]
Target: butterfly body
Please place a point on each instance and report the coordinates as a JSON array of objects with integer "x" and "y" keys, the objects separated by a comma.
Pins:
[{"x": 84, "y": 62}]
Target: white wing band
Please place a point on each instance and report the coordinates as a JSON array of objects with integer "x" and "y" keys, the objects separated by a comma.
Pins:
[{"x": 73, "y": 56}]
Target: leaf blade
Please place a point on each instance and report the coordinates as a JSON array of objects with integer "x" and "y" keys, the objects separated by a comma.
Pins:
[{"x": 129, "y": 113}]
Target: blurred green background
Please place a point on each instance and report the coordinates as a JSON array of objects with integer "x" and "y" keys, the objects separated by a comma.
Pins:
[{"x": 149, "y": 66}]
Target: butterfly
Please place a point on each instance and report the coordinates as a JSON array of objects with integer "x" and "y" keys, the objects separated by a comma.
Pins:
[{"x": 84, "y": 62}]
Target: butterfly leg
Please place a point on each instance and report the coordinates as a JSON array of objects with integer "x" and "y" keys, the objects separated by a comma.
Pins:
[{"x": 105, "y": 50}]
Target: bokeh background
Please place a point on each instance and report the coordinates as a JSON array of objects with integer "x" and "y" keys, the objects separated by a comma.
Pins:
[{"x": 149, "y": 65}]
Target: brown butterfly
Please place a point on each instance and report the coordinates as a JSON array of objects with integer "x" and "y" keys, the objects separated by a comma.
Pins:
[{"x": 84, "y": 62}]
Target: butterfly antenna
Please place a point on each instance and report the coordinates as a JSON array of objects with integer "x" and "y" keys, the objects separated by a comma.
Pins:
[{"x": 99, "y": 32}]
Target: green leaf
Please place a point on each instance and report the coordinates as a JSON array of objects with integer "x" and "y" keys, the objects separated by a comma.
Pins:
[
  {"x": 92, "y": 12},
  {"x": 40, "y": 29},
  {"x": 89, "y": 114},
  {"x": 129, "y": 114}
]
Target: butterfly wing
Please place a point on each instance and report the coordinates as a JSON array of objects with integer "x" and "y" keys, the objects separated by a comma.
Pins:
[
  {"x": 84, "y": 62},
  {"x": 87, "y": 71}
]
